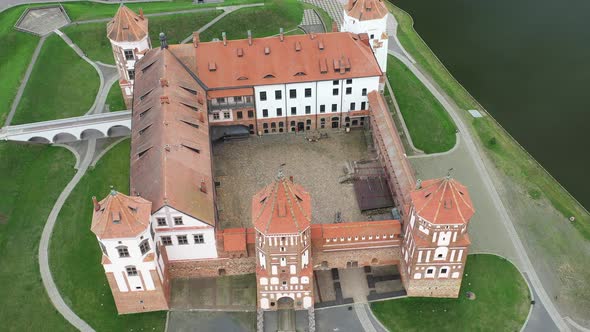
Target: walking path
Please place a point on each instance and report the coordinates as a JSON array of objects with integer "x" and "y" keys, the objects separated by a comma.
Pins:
[
  {"x": 24, "y": 82},
  {"x": 226, "y": 11},
  {"x": 5, "y": 4},
  {"x": 46, "y": 276},
  {"x": 332, "y": 7}
]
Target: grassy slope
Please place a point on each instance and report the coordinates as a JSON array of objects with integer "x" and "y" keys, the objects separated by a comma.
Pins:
[
  {"x": 115, "y": 98},
  {"x": 61, "y": 85},
  {"x": 31, "y": 179},
  {"x": 502, "y": 302},
  {"x": 92, "y": 39},
  {"x": 14, "y": 59},
  {"x": 430, "y": 126},
  {"x": 263, "y": 21},
  {"x": 508, "y": 156},
  {"x": 75, "y": 255},
  {"x": 178, "y": 27}
]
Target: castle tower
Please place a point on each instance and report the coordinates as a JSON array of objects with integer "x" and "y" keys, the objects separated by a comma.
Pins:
[
  {"x": 281, "y": 214},
  {"x": 436, "y": 242},
  {"x": 122, "y": 227},
  {"x": 370, "y": 17},
  {"x": 128, "y": 33}
]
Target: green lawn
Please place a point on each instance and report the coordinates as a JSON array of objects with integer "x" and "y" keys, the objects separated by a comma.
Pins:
[
  {"x": 61, "y": 85},
  {"x": 115, "y": 98},
  {"x": 14, "y": 59},
  {"x": 507, "y": 155},
  {"x": 429, "y": 124},
  {"x": 31, "y": 179},
  {"x": 92, "y": 39},
  {"x": 262, "y": 21},
  {"x": 178, "y": 27},
  {"x": 502, "y": 302},
  {"x": 75, "y": 255}
]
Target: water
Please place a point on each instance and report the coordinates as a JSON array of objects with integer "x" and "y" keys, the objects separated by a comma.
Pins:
[{"x": 528, "y": 63}]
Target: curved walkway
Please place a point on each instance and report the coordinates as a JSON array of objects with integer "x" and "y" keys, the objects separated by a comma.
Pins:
[{"x": 46, "y": 276}]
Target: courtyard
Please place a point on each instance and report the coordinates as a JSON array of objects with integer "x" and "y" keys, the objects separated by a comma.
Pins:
[{"x": 244, "y": 167}]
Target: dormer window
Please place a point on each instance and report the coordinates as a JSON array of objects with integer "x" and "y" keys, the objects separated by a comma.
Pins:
[
  {"x": 161, "y": 221},
  {"x": 129, "y": 55},
  {"x": 144, "y": 246},
  {"x": 116, "y": 217},
  {"x": 178, "y": 221},
  {"x": 123, "y": 251}
]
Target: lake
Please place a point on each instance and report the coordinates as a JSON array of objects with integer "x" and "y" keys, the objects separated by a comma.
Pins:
[{"x": 528, "y": 63}]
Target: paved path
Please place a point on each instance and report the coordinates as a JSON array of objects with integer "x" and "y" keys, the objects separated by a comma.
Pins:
[
  {"x": 487, "y": 183},
  {"x": 185, "y": 11},
  {"x": 46, "y": 276},
  {"x": 5, "y": 4},
  {"x": 226, "y": 11},
  {"x": 332, "y": 7},
  {"x": 23, "y": 84}
]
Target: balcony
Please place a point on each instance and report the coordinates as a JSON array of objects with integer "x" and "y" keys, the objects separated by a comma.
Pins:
[{"x": 215, "y": 105}]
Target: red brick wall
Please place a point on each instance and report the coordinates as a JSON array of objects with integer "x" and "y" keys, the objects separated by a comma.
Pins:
[
  {"x": 211, "y": 267},
  {"x": 363, "y": 257},
  {"x": 433, "y": 287},
  {"x": 131, "y": 302}
]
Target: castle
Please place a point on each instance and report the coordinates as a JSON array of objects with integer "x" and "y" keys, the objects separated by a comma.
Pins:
[{"x": 167, "y": 227}]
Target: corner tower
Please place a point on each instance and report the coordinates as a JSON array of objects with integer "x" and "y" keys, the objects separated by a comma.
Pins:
[
  {"x": 128, "y": 34},
  {"x": 370, "y": 17},
  {"x": 281, "y": 214},
  {"x": 436, "y": 242},
  {"x": 122, "y": 227}
]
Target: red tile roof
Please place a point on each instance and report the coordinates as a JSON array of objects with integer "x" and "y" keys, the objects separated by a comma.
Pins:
[
  {"x": 121, "y": 216},
  {"x": 352, "y": 229},
  {"x": 234, "y": 239},
  {"x": 364, "y": 10},
  {"x": 443, "y": 201},
  {"x": 127, "y": 26},
  {"x": 298, "y": 58},
  {"x": 283, "y": 207},
  {"x": 170, "y": 146}
]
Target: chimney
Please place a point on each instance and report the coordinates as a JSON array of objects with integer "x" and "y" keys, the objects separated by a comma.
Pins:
[
  {"x": 223, "y": 36},
  {"x": 250, "y": 37},
  {"x": 281, "y": 34},
  {"x": 334, "y": 26},
  {"x": 163, "y": 82},
  {"x": 163, "y": 41},
  {"x": 203, "y": 187},
  {"x": 291, "y": 179},
  {"x": 141, "y": 13},
  {"x": 96, "y": 204},
  {"x": 164, "y": 100},
  {"x": 418, "y": 184},
  {"x": 196, "y": 39}
]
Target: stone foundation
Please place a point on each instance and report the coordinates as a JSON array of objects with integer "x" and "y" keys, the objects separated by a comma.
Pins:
[
  {"x": 434, "y": 287},
  {"x": 324, "y": 260},
  {"x": 139, "y": 301},
  {"x": 211, "y": 268}
]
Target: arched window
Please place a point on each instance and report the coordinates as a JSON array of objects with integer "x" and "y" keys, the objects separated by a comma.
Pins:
[{"x": 441, "y": 253}]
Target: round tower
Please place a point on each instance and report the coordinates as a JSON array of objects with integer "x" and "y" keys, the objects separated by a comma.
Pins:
[
  {"x": 370, "y": 17},
  {"x": 281, "y": 214},
  {"x": 128, "y": 34},
  {"x": 436, "y": 241}
]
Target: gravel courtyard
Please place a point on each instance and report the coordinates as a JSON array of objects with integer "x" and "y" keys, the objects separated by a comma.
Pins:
[{"x": 244, "y": 167}]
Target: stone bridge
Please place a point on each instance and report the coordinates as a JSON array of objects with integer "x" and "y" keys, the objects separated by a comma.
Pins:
[{"x": 112, "y": 124}]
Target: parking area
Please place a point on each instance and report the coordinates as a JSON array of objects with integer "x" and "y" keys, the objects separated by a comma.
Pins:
[{"x": 243, "y": 167}]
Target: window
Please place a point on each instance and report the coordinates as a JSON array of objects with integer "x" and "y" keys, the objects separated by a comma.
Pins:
[
  {"x": 293, "y": 110},
  {"x": 129, "y": 55},
  {"x": 279, "y": 111},
  {"x": 131, "y": 271},
  {"x": 226, "y": 115},
  {"x": 265, "y": 113},
  {"x": 335, "y": 92},
  {"x": 215, "y": 116},
  {"x": 334, "y": 107},
  {"x": 363, "y": 105},
  {"x": 430, "y": 271},
  {"x": 199, "y": 238},
  {"x": 322, "y": 108},
  {"x": 278, "y": 94},
  {"x": 364, "y": 91},
  {"x": 284, "y": 283},
  {"x": 131, "y": 73},
  {"x": 349, "y": 81},
  {"x": 263, "y": 95},
  {"x": 182, "y": 239},
  {"x": 352, "y": 105},
  {"x": 335, "y": 82},
  {"x": 238, "y": 99},
  {"x": 178, "y": 221},
  {"x": 265, "y": 125},
  {"x": 348, "y": 91},
  {"x": 307, "y": 109},
  {"x": 239, "y": 114},
  {"x": 220, "y": 100},
  {"x": 144, "y": 246},
  {"x": 281, "y": 124},
  {"x": 166, "y": 240},
  {"x": 292, "y": 93},
  {"x": 443, "y": 271},
  {"x": 372, "y": 36},
  {"x": 308, "y": 92},
  {"x": 123, "y": 251},
  {"x": 250, "y": 114}
]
